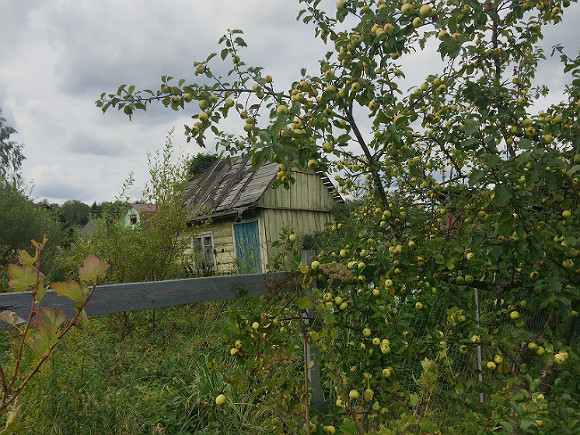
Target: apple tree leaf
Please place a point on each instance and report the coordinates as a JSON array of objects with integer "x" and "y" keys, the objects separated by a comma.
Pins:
[
  {"x": 92, "y": 269},
  {"x": 11, "y": 318},
  {"x": 22, "y": 278}
]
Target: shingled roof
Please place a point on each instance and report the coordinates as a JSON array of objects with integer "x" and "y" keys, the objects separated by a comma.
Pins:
[{"x": 224, "y": 189}]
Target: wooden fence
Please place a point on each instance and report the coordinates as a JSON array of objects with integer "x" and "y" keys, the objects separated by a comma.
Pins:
[
  {"x": 145, "y": 295},
  {"x": 116, "y": 298}
]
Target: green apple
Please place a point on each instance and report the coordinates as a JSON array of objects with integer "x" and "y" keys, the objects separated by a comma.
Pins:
[
  {"x": 220, "y": 399},
  {"x": 369, "y": 394},
  {"x": 292, "y": 237},
  {"x": 417, "y": 22},
  {"x": 426, "y": 11},
  {"x": 560, "y": 357},
  {"x": 353, "y": 394},
  {"x": 407, "y": 8},
  {"x": 315, "y": 265},
  {"x": 568, "y": 264},
  {"x": 327, "y": 147},
  {"x": 312, "y": 163},
  {"x": 282, "y": 109}
]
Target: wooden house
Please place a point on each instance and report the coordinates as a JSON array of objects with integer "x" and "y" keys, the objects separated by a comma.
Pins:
[
  {"x": 136, "y": 215},
  {"x": 246, "y": 215}
]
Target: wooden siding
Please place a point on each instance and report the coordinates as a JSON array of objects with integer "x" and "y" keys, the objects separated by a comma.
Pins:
[
  {"x": 303, "y": 222},
  {"x": 223, "y": 240},
  {"x": 307, "y": 193}
]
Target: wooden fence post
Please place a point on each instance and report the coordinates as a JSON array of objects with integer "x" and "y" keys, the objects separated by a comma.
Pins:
[{"x": 313, "y": 355}]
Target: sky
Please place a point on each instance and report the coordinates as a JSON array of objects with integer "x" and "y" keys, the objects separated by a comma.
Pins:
[{"x": 58, "y": 56}]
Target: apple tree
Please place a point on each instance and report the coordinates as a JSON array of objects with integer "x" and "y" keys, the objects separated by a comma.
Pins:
[{"x": 456, "y": 304}]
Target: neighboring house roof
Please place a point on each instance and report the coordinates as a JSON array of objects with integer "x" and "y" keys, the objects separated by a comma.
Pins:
[
  {"x": 143, "y": 208},
  {"x": 222, "y": 189},
  {"x": 89, "y": 228}
]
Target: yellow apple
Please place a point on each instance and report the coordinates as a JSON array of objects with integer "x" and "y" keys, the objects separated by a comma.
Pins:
[
  {"x": 220, "y": 400},
  {"x": 425, "y": 10}
]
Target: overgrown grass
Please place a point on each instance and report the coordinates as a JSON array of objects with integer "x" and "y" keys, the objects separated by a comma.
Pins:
[{"x": 145, "y": 372}]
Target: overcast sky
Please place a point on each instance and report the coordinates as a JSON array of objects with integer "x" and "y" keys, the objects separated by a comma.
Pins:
[{"x": 58, "y": 56}]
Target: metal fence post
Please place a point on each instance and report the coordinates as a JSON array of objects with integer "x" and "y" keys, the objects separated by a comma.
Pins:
[
  {"x": 479, "y": 366},
  {"x": 313, "y": 355}
]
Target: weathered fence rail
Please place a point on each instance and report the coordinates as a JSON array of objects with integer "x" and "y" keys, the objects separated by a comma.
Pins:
[
  {"x": 143, "y": 295},
  {"x": 136, "y": 296}
]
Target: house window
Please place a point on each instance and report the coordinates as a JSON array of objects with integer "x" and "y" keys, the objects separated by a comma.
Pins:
[
  {"x": 133, "y": 219},
  {"x": 203, "y": 251}
]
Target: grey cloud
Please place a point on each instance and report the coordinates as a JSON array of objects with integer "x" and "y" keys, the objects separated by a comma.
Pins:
[
  {"x": 84, "y": 143},
  {"x": 60, "y": 190}
]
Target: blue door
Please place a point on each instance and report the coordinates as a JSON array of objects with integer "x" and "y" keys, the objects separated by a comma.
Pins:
[{"x": 247, "y": 243}]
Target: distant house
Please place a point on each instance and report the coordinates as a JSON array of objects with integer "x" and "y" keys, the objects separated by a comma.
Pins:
[
  {"x": 136, "y": 215},
  {"x": 246, "y": 214}
]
